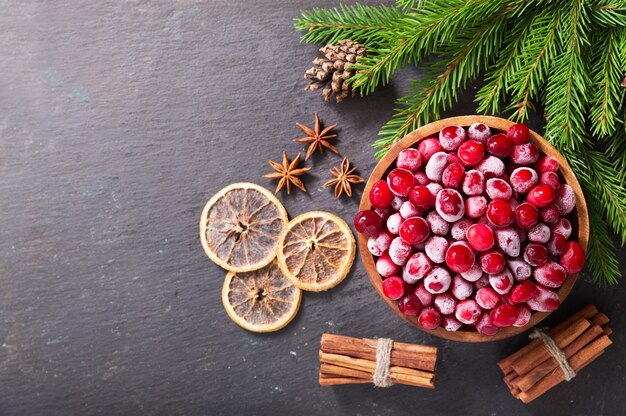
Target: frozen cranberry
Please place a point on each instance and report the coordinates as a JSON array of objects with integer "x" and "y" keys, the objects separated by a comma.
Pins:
[
  {"x": 414, "y": 230},
  {"x": 437, "y": 225},
  {"x": 416, "y": 268},
  {"x": 429, "y": 147},
  {"x": 459, "y": 256},
  {"x": 397, "y": 201},
  {"x": 436, "y": 165},
  {"x": 546, "y": 300},
  {"x": 491, "y": 167},
  {"x": 526, "y": 215},
  {"x": 452, "y": 137},
  {"x": 508, "y": 240},
  {"x": 459, "y": 228},
  {"x": 501, "y": 282},
  {"x": 409, "y": 305},
  {"x": 504, "y": 315},
  {"x": 434, "y": 189},
  {"x": 473, "y": 183},
  {"x": 480, "y": 237},
  {"x": 551, "y": 179},
  {"x": 449, "y": 204},
  {"x": 453, "y": 158},
  {"x": 435, "y": 249},
  {"x": 550, "y": 214},
  {"x": 467, "y": 311},
  {"x": 384, "y": 213},
  {"x": 380, "y": 195},
  {"x": 520, "y": 269},
  {"x": 492, "y": 262},
  {"x": 445, "y": 303},
  {"x": 573, "y": 257},
  {"x": 426, "y": 298},
  {"x": 539, "y": 233},
  {"x": 535, "y": 254},
  {"x": 438, "y": 280},
  {"x": 523, "y": 234},
  {"x": 479, "y": 132},
  {"x": 450, "y": 323},
  {"x": 393, "y": 287},
  {"x": 487, "y": 298},
  {"x": 420, "y": 197},
  {"x": 429, "y": 319},
  {"x": 471, "y": 152},
  {"x": 421, "y": 178},
  {"x": 563, "y": 227},
  {"x": 399, "y": 251},
  {"x": 452, "y": 175},
  {"x": 380, "y": 243},
  {"x": 556, "y": 244},
  {"x": 518, "y": 133},
  {"x": 513, "y": 204},
  {"x": 485, "y": 325},
  {"x": 386, "y": 267},
  {"x": 409, "y": 159},
  {"x": 523, "y": 292},
  {"x": 565, "y": 199},
  {"x": 499, "y": 213},
  {"x": 523, "y": 317},
  {"x": 482, "y": 282},
  {"x": 547, "y": 164},
  {"x": 400, "y": 181},
  {"x": 550, "y": 274},
  {"x": 461, "y": 288},
  {"x": 524, "y": 154},
  {"x": 500, "y": 145},
  {"x": 394, "y": 222},
  {"x": 541, "y": 196},
  {"x": 498, "y": 189},
  {"x": 475, "y": 206},
  {"x": 408, "y": 210},
  {"x": 523, "y": 179},
  {"x": 368, "y": 222}
]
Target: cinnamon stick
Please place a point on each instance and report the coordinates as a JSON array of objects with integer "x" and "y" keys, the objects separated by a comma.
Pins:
[{"x": 341, "y": 380}]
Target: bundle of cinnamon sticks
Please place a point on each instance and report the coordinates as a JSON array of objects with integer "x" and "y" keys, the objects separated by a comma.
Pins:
[
  {"x": 532, "y": 370},
  {"x": 347, "y": 360}
]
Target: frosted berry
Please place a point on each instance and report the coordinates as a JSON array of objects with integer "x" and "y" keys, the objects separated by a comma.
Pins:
[
  {"x": 461, "y": 288},
  {"x": 535, "y": 254},
  {"x": 556, "y": 244},
  {"x": 491, "y": 167},
  {"x": 450, "y": 323},
  {"x": 400, "y": 181},
  {"x": 523, "y": 179},
  {"x": 474, "y": 273},
  {"x": 563, "y": 227},
  {"x": 452, "y": 176},
  {"x": 565, "y": 199},
  {"x": 501, "y": 282},
  {"x": 435, "y": 248},
  {"x": 523, "y": 234},
  {"x": 482, "y": 282},
  {"x": 408, "y": 210},
  {"x": 380, "y": 195},
  {"x": 452, "y": 137},
  {"x": 434, "y": 189},
  {"x": 397, "y": 201},
  {"x": 420, "y": 197},
  {"x": 458, "y": 230},
  {"x": 524, "y": 154},
  {"x": 518, "y": 133},
  {"x": 409, "y": 159},
  {"x": 550, "y": 214},
  {"x": 573, "y": 257},
  {"x": 487, "y": 298},
  {"x": 526, "y": 215},
  {"x": 414, "y": 230},
  {"x": 393, "y": 287},
  {"x": 368, "y": 222},
  {"x": 384, "y": 213},
  {"x": 546, "y": 300},
  {"x": 498, "y": 189},
  {"x": 541, "y": 196},
  {"x": 479, "y": 132},
  {"x": 504, "y": 315},
  {"x": 453, "y": 158},
  {"x": 436, "y": 165},
  {"x": 500, "y": 145},
  {"x": 409, "y": 305},
  {"x": 520, "y": 269},
  {"x": 508, "y": 240},
  {"x": 380, "y": 243},
  {"x": 426, "y": 298},
  {"x": 546, "y": 164},
  {"x": 551, "y": 179},
  {"x": 385, "y": 267},
  {"x": 467, "y": 311},
  {"x": 437, "y": 224},
  {"x": 485, "y": 325},
  {"x": 429, "y": 319},
  {"x": 399, "y": 251},
  {"x": 460, "y": 256},
  {"x": 449, "y": 204},
  {"x": 394, "y": 222},
  {"x": 523, "y": 292},
  {"x": 445, "y": 303},
  {"x": 473, "y": 182},
  {"x": 475, "y": 206},
  {"x": 550, "y": 274},
  {"x": 471, "y": 152},
  {"x": 539, "y": 233},
  {"x": 523, "y": 317},
  {"x": 421, "y": 178},
  {"x": 418, "y": 266},
  {"x": 480, "y": 237},
  {"x": 428, "y": 147},
  {"x": 492, "y": 262},
  {"x": 500, "y": 213},
  {"x": 438, "y": 280}
]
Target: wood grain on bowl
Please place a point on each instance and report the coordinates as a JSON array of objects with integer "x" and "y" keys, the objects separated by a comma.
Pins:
[{"x": 581, "y": 220}]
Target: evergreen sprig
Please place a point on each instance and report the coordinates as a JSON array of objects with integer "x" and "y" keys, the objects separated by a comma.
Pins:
[{"x": 569, "y": 56}]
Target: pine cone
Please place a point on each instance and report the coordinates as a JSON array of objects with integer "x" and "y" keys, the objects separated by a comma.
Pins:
[{"x": 332, "y": 71}]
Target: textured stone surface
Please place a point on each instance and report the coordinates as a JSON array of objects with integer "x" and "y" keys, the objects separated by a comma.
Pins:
[{"x": 118, "y": 120}]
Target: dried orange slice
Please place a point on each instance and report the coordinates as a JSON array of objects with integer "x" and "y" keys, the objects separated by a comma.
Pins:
[
  {"x": 240, "y": 226},
  {"x": 316, "y": 251},
  {"x": 261, "y": 300}
]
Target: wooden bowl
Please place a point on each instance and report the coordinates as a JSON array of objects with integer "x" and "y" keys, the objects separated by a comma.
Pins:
[{"x": 580, "y": 223}]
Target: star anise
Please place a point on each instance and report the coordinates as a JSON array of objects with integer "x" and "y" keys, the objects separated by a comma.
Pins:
[
  {"x": 318, "y": 138},
  {"x": 344, "y": 177},
  {"x": 287, "y": 173}
]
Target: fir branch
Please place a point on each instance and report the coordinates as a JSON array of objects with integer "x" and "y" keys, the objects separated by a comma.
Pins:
[
  {"x": 601, "y": 258},
  {"x": 608, "y": 13},
  {"x": 409, "y": 4}
]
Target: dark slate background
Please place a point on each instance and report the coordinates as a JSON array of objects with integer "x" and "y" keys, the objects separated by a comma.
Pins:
[{"x": 118, "y": 120}]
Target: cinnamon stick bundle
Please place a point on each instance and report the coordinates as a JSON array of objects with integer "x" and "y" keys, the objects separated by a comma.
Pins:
[
  {"x": 347, "y": 360},
  {"x": 533, "y": 370}
]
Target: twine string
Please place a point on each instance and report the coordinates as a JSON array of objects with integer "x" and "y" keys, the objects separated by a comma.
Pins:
[
  {"x": 383, "y": 362},
  {"x": 555, "y": 351}
]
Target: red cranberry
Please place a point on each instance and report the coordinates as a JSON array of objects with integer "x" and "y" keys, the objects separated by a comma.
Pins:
[
  {"x": 436, "y": 165},
  {"x": 437, "y": 225},
  {"x": 368, "y": 222},
  {"x": 524, "y": 154},
  {"x": 492, "y": 262},
  {"x": 445, "y": 303},
  {"x": 563, "y": 227},
  {"x": 409, "y": 159},
  {"x": 408, "y": 210},
  {"x": 383, "y": 213},
  {"x": 518, "y": 133},
  {"x": 508, "y": 241},
  {"x": 393, "y": 287},
  {"x": 485, "y": 325},
  {"x": 556, "y": 244},
  {"x": 380, "y": 243},
  {"x": 479, "y": 132},
  {"x": 500, "y": 145},
  {"x": 550, "y": 274},
  {"x": 421, "y": 178},
  {"x": 523, "y": 179},
  {"x": 526, "y": 215},
  {"x": 420, "y": 197},
  {"x": 418, "y": 266},
  {"x": 397, "y": 202},
  {"x": 535, "y": 254},
  {"x": 386, "y": 267},
  {"x": 435, "y": 248},
  {"x": 467, "y": 311},
  {"x": 551, "y": 179},
  {"x": 565, "y": 199},
  {"x": 474, "y": 183},
  {"x": 504, "y": 315},
  {"x": 429, "y": 147},
  {"x": 459, "y": 228},
  {"x": 539, "y": 233},
  {"x": 499, "y": 213},
  {"x": 459, "y": 256},
  {"x": 546, "y": 300},
  {"x": 461, "y": 288},
  {"x": 547, "y": 164},
  {"x": 434, "y": 189},
  {"x": 394, "y": 222},
  {"x": 409, "y": 305},
  {"x": 524, "y": 315},
  {"x": 437, "y": 281},
  {"x": 473, "y": 274},
  {"x": 487, "y": 298},
  {"x": 399, "y": 251},
  {"x": 491, "y": 167},
  {"x": 453, "y": 158},
  {"x": 550, "y": 214},
  {"x": 429, "y": 319},
  {"x": 400, "y": 181},
  {"x": 501, "y": 282},
  {"x": 475, "y": 206},
  {"x": 520, "y": 269},
  {"x": 480, "y": 237},
  {"x": 541, "y": 196},
  {"x": 426, "y": 298},
  {"x": 573, "y": 257},
  {"x": 414, "y": 230},
  {"x": 449, "y": 204},
  {"x": 523, "y": 292},
  {"x": 453, "y": 175},
  {"x": 452, "y": 137},
  {"x": 450, "y": 323},
  {"x": 380, "y": 195},
  {"x": 471, "y": 152},
  {"x": 498, "y": 189}
]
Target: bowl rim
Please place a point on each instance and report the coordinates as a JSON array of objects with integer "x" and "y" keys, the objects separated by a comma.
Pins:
[{"x": 429, "y": 130}]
